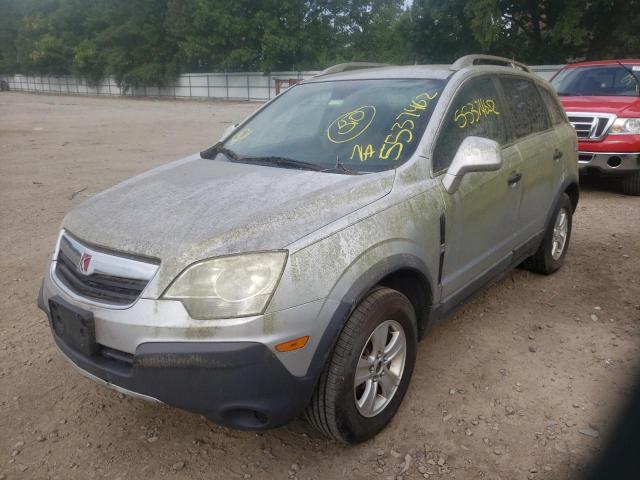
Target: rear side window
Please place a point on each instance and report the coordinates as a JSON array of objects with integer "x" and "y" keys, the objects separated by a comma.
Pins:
[
  {"x": 476, "y": 111},
  {"x": 526, "y": 106},
  {"x": 555, "y": 110}
]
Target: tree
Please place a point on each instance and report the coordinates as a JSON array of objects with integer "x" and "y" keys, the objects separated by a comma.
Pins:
[
  {"x": 534, "y": 31},
  {"x": 443, "y": 31},
  {"x": 542, "y": 31},
  {"x": 9, "y": 23},
  {"x": 614, "y": 27},
  {"x": 373, "y": 31},
  {"x": 241, "y": 34},
  {"x": 130, "y": 43},
  {"x": 148, "y": 42}
]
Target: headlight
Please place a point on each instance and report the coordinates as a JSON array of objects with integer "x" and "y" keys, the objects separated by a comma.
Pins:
[
  {"x": 625, "y": 126},
  {"x": 227, "y": 287}
]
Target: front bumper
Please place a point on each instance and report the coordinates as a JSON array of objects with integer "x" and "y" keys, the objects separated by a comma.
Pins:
[
  {"x": 226, "y": 369},
  {"x": 609, "y": 163},
  {"x": 153, "y": 321},
  {"x": 237, "y": 384}
]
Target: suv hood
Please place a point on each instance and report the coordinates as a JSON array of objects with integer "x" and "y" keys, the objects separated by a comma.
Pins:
[
  {"x": 195, "y": 208},
  {"x": 620, "y": 106}
]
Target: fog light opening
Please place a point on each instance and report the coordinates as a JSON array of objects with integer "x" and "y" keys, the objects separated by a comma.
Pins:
[{"x": 614, "y": 162}]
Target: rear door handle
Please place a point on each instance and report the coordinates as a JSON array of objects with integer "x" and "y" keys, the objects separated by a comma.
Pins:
[
  {"x": 514, "y": 179},
  {"x": 557, "y": 155}
]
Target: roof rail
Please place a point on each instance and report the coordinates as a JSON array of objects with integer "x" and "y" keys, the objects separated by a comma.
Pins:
[
  {"x": 345, "y": 67},
  {"x": 469, "y": 60}
]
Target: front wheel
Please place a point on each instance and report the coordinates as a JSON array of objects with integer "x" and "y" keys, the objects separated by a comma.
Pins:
[
  {"x": 368, "y": 373},
  {"x": 554, "y": 246}
]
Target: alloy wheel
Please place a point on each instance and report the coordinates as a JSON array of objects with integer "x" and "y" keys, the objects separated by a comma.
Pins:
[{"x": 380, "y": 368}]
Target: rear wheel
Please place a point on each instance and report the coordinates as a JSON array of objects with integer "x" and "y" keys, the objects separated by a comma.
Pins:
[
  {"x": 631, "y": 184},
  {"x": 550, "y": 255},
  {"x": 369, "y": 371}
]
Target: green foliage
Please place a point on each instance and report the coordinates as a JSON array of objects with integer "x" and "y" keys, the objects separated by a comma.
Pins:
[
  {"x": 615, "y": 28},
  {"x": 443, "y": 31},
  {"x": 9, "y": 21},
  {"x": 143, "y": 42},
  {"x": 542, "y": 31}
]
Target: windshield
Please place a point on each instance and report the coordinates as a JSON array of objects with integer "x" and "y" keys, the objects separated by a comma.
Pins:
[
  {"x": 341, "y": 126},
  {"x": 609, "y": 80}
]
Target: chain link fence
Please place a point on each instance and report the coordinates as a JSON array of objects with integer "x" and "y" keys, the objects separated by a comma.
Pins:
[{"x": 251, "y": 86}]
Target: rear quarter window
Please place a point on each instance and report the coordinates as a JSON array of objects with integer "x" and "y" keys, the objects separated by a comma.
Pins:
[
  {"x": 556, "y": 112},
  {"x": 526, "y": 106},
  {"x": 475, "y": 111}
]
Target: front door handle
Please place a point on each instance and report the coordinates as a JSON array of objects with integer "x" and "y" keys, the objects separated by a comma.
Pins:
[
  {"x": 557, "y": 155},
  {"x": 514, "y": 179}
]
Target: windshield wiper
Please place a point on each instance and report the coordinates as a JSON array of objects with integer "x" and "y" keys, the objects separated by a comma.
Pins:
[
  {"x": 279, "y": 161},
  {"x": 341, "y": 167},
  {"x": 210, "y": 153},
  {"x": 284, "y": 162}
]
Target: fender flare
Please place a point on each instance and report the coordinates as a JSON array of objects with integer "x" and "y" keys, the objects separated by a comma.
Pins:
[
  {"x": 568, "y": 181},
  {"x": 340, "y": 308}
]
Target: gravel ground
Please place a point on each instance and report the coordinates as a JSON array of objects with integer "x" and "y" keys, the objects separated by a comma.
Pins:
[{"x": 524, "y": 382}]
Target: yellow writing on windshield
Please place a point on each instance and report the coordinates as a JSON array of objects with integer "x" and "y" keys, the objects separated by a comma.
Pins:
[
  {"x": 363, "y": 153},
  {"x": 402, "y": 129},
  {"x": 351, "y": 125},
  {"x": 475, "y": 111}
]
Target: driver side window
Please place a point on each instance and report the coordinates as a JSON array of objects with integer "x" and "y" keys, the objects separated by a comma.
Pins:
[{"x": 475, "y": 111}]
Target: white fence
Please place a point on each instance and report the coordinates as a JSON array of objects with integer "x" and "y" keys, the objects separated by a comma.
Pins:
[
  {"x": 545, "y": 71},
  {"x": 228, "y": 86}
]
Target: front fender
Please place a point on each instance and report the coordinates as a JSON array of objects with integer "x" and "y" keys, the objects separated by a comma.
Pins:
[
  {"x": 341, "y": 268},
  {"x": 376, "y": 263},
  {"x": 364, "y": 273}
]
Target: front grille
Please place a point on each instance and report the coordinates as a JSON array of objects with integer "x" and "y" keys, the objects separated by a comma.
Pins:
[
  {"x": 590, "y": 126},
  {"x": 116, "y": 290},
  {"x": 100, "y": 285}
]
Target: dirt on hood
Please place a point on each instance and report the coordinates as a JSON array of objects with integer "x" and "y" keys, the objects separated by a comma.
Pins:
[{"x": 195, "y": 208}]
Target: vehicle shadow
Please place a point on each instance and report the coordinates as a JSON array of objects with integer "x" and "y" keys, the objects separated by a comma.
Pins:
[{"x": 594, "y": 183}]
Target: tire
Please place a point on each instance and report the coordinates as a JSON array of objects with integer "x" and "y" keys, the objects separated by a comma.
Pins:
[
  {"x": 631, "y": 184},
  {"x": 545, "y": 260},
  {"x": 333, "y": 410}
]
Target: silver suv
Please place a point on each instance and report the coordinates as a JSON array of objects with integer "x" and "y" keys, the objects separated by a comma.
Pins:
[{"x": 291, "y": 268}]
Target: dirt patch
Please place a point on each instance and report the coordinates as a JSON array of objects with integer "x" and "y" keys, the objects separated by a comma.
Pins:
[{"x": 523, "y": 382}]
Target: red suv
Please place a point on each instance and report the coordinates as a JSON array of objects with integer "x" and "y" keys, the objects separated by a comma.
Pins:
[{"x": 602, "y": 100}]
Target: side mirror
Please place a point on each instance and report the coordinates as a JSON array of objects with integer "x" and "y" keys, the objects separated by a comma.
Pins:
[
  {"x": 228, "y": 131},
  {"x": 475, "y": 154}
]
